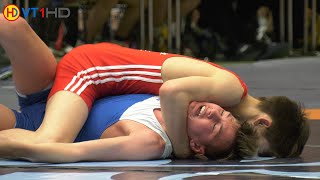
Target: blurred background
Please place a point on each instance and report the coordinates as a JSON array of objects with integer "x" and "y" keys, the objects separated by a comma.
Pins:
[{"x": 218, "y": 31}]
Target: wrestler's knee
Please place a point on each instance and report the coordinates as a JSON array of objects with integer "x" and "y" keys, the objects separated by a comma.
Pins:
[
  {"x": 3, "y": 23},
  {"x": 12, "y": 27},
  {"x": 7, "y": 118}
]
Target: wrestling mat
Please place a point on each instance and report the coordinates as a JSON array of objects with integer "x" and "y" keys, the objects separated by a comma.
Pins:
[{"x": 298, "y": 78}]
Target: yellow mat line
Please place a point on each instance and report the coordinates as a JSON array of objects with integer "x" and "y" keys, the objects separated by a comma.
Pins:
[{"x": 313, "y": 114}]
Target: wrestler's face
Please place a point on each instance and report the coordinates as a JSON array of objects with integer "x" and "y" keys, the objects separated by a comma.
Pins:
[{"x": 212, "y": 127}]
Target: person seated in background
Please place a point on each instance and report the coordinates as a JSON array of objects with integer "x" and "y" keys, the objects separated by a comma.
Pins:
[{"x": 99, "y": 14}]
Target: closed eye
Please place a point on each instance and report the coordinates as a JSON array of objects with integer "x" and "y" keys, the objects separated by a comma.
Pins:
[
  {"x": 214, "y": 125},
  {"x": 222, "y": 112}
]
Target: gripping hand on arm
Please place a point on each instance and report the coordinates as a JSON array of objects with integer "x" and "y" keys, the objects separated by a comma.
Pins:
[{"x": 187, "y": 81}]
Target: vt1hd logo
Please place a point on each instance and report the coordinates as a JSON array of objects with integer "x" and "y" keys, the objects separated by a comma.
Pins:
[{"x": 12, "y": 12}]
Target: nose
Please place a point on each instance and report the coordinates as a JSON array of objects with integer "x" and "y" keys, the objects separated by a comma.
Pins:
[{"x": 215, "y": 115}]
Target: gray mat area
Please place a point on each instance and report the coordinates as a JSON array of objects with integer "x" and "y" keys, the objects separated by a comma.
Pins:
[{"x": 297, "y": 78}]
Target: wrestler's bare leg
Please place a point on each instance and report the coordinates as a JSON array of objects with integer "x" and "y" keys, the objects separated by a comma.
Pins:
[
  {"x": 32, "y": 62},
  {"x": 65, "y": 115}
]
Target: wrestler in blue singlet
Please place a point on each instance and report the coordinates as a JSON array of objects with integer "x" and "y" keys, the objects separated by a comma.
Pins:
[{"x": 104, "y": 113}]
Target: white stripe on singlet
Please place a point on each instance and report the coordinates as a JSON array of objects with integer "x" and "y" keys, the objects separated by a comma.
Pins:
[{"x": 87, "y": 80}]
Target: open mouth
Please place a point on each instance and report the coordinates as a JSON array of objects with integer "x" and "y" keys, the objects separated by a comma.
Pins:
[{"x": 201, "y": 110}]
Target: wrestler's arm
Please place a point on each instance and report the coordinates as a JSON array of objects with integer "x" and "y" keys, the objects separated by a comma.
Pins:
[
  {"x": 132, "y": 147},
  {"x": 187, "y": 81}
]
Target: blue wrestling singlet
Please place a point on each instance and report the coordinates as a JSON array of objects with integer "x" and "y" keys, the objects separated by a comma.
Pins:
[
  {"x": 104, "y": 113},
  {"x": 32, "y": 109}
]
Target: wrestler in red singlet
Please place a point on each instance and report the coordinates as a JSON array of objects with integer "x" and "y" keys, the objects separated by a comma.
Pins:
[{"x": 97, "y": 70}]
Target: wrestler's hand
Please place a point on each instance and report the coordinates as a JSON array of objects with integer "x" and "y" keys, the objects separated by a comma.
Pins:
[
  {"x": 13, "y": 149},
  {"x": 5, "y": 150}
]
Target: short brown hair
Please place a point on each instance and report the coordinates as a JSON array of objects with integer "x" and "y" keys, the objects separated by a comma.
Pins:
[
  {"x": 290, "y": 129},
  {"x": 286, "y": 136},
  {"x": 246, "y": 143}
]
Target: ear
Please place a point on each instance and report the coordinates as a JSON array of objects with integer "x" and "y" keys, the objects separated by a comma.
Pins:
[
  {"x": 264, "y": 121},
  {"x": 197, "y": 147}
]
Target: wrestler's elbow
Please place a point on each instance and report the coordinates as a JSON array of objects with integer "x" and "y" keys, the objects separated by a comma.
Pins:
[
  {"x": 169, "y": 89},
  {"x": 230, "y": 97},
  {"x": 166, "y": 87},
  {"x": 230, "y": 93},
  {"x": 237, "y": 94}
]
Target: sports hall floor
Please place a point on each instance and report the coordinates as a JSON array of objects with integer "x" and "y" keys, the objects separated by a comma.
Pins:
[{"x": 298, "y": 78}]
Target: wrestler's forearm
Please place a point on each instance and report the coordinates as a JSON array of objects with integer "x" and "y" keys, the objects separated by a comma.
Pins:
[
  {"x": 204, "y": 82},
  {"x": 178, "y": 67},
  {"x": 174, "y": 108},
  {"x": 18, "y": 135},
  {"x": 110, "y": 149},
  {"x": 203, "y": 89}
]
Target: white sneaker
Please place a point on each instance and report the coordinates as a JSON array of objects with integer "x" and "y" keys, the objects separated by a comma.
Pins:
[{"x": 67, "y": 49}]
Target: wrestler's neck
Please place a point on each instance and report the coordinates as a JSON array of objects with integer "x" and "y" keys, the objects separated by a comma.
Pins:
[{"x": 247, "y": 108}]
